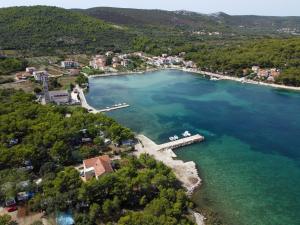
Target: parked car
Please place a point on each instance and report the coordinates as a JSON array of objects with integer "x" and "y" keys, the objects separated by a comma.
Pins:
[
  {"x": 11, "y": 205},
  {"x": 11, "y": 208}
]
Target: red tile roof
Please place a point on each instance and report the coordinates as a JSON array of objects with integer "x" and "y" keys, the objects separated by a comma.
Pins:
[{"x": 101, "y": 164}]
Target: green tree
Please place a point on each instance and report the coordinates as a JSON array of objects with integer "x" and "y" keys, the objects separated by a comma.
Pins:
[{"x": 94, "y": 212}]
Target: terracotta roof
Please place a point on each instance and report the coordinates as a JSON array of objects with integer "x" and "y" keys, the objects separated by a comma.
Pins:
[{"x": 101, "y": 164}]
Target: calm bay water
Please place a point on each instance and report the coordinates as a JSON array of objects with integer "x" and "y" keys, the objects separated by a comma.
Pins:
[{"x": 250, "y": 161}]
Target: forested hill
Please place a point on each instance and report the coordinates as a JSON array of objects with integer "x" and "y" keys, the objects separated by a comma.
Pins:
[
  {"x": 44, "y": 28},
  {"x": 144, "y": 18},
  {"x": 197, "y": 21}
]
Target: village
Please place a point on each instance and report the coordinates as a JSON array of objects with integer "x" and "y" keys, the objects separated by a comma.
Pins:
[{"x": 112, "y": 63}]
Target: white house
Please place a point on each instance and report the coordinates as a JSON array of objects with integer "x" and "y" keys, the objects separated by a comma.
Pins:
[
  {"x": 59, "y": 97},
  {"x": 69, "y": 64},
  {"x": 39, "y": 74}
]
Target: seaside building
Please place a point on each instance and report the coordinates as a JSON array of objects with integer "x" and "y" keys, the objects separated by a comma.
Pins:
[
  {"x": 255, "y": 69},
  {"x": 96, "y": 167},
  {"x": 115, "y": 60},
  {"x": 275, "y": 72},
  {"x": 109, "y": 53},
  {"x": 190, "y": 64},
  {"x": 69, "y": 64},
  {"x": 98, "y": 62},
  {"x": 38, "y": 75},
  {"x": 116, "y": 65},
  {"x": 30, "y": 70},
  {"x": 59, "y": 97},
  {"x": 263, "y": 73},
  {"x": 125, "y": 62}
]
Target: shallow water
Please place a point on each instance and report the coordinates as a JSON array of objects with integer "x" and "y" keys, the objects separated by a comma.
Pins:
[{"x": 249, "y": 162}]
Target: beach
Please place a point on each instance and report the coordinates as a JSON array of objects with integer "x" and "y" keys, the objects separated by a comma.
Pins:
[{"x": 242, "y": 80}]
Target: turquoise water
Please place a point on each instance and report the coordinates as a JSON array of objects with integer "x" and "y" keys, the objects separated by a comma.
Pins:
[
  {"x": 65, "y": 218},
  {"x": 249, "y": 162}
]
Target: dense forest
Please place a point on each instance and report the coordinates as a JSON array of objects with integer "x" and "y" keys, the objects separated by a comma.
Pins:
[
  {"x": 283, "y": 54},
  {"x": 267, "y": 53},
  {"x": 192, "y": 21},
  {"x": 42, "y": 29},
  {"x": 50, "y": 30},
  {"x": 40, "y": 134},
  {"x": 140, "y": 191}
]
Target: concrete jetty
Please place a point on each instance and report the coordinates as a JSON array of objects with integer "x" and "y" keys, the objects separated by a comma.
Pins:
[
  {"x": 108, "y": 109},
  {"x": 181, "y": 142},
  {"x": 91, "y": 109},
  {"x": 186, "y": 172}
]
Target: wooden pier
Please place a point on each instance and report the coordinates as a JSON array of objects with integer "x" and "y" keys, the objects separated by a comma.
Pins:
[{"x": 181, "y": 142}]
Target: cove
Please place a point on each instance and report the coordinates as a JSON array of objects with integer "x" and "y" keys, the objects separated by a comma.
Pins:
[{"x": 249, "y": 162}]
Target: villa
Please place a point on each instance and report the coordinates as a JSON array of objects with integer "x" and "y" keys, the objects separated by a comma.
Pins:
[
  {"x": 98, "y": 62},
  {"x": 30, "y": 70},
  {"x": 109, "y": 53},
  {"x": 96, "y": 167},
  {"x": 125, "y": 62},
  {"x": 69, "y": 64},
  {"x": 59, "y": 97},
  {"x": 255, "y": 69},
  {"x": 38, "y": 75}
]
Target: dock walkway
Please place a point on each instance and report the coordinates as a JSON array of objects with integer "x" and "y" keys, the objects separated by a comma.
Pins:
[
  {"x": 91, "y": 109},
  {"x": 113, "y": 108},
  {"x": 148, "y": 143},
  {"x": 186, "y": 172},
  {"x": 181, "y": 142}
]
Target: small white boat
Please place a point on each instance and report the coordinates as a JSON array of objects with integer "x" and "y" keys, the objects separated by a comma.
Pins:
[
  {"x": 176, "y": 137},
  {"x": 186, "y": 134},
  {"x": 171, "y": 138},
  {"x": 214, "y": 78}
]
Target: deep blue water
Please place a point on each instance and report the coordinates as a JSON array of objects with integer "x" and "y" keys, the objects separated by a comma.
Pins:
[{"x": 249, "y": 162}]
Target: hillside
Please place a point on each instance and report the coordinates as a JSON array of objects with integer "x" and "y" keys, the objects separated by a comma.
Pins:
[
  {"x": 193, "y": 21},
  {"x": 142, "y": 18},
  {"x": 42, "y": 28}
]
